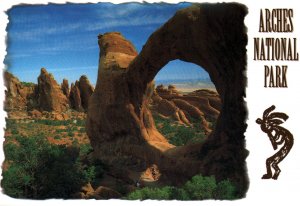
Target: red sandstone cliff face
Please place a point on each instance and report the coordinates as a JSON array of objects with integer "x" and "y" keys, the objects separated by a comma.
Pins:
[{"x": 120, "y": 125}]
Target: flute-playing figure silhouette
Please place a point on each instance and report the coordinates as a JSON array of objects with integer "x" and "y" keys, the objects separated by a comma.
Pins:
[{"x": 277, "y": 135}]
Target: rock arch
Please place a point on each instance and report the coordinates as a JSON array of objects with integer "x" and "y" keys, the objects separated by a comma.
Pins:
[{"x": 121, "y": 127}]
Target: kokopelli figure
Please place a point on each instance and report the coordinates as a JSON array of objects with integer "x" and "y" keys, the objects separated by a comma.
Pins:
[{"x": 277, "y": 135}]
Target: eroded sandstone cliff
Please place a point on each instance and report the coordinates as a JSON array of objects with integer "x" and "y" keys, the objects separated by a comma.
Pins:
[{"x": 120, "y": 125}]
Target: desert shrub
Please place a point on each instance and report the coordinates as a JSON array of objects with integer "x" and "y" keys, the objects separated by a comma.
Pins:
[
  {"x": 40, "y": 170},
  {"x": 93, "y": 170},
  {"x": 182, "y": 136},
  {"x": 179, "y": 135},
  {"x": 9, "y": 122},
  {"x": 70, "y": 134},
  {"x": 80, "y": 122},
  {"x": 225, "y": 190},
  {"x": 14, "y": 131},
  {"x": 93, "y": 173},
  {"x": 60, "y": 130},
  {"x": 27, "y": 84},
  {"x": 85, "y": 149},
  {"x": 179, "y": 194},
  {"x": 198, "y": 188},
  {"x": 57, "y": 137},
  {"x": 82, "y": 129},
  {"x": 55, "y": 122},
  {"x": 163, "y": 193}
]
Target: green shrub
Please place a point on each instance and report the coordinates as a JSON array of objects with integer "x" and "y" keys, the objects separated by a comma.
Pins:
[
  {"x": 182, "y": 136},
  {"x": 57, "y": 137},
  {"x": 179, "y": 194},
  {"x": 10, "y": 123},
  {"x": 179, "y": 135},
  {"x": 27, "y": 84},
  {"x": 163, "y": 193},
  {"x": 80, "y": 122},
  {"x": 200, "y": 187},
  {"x": 55, "y": 122},
  {"x": 40, "y": 170},
  {"x": 14, "y": 131},
  {"x": 71, "y": 134},
  {"x": 82, "y": 129},
  {"x": 85, "y": 149},
  {"x": 60, "y": 130},
  {"x": 225, "y": 191}
]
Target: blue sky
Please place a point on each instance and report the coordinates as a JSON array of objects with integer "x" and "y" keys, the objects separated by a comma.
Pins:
[{"x": 63, "y": 38}]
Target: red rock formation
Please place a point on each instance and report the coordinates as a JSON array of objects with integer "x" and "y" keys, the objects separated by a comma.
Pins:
[
  {"x": 75, "y": 99},
  {"x": 172, "y": 90},
  {"x": 17, "y": 94},
  {"x": 119, "y": 123},
  {"x": 50, "y": 95},
  {"x": 193, "y": 112},
  {"x": 169, "y": 109},
  {"x": 65, "y": 87},
  {"x": 212, "y": 96},
  {"x": 86, "y": 90}
]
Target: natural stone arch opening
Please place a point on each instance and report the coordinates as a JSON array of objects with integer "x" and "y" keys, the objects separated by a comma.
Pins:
[
  {"x": 184, "y": 103},
  {"x": 120, "y": 126}
]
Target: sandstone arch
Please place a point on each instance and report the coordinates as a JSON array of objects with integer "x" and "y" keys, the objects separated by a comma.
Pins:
[{"x": 119, "y": 124}]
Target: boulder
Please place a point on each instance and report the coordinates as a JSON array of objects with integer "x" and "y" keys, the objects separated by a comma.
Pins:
[{"x": 50, "y": 95}]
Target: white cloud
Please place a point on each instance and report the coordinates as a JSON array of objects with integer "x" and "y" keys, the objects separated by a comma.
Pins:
[
  {"x": 39, "y": 32},
  {"x": 71, "y": 44},
  {"x": 127, "y": 9},
  {"x": 137, "y": 21},
  {"x": 63, "y": 69}
]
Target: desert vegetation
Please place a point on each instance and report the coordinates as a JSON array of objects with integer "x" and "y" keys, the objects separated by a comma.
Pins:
[
  {"x": 178, "y": 134},
  {"x": 198, "y": 188},
  {"x": 52, "y": 159},
  {"x": 38, "y": 167}
]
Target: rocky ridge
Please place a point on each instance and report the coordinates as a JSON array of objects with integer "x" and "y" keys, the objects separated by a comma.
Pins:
[
  {"x": 169, "y": 102},
  {"x": 46, "y": 99}
]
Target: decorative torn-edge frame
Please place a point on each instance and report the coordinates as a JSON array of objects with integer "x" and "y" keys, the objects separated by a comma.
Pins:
[{"x": 225, "y": 69}]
